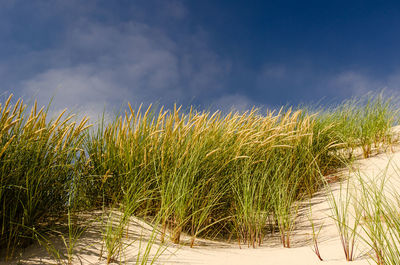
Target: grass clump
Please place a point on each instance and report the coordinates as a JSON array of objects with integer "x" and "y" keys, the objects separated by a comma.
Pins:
[
  {"x": 197, "y": 173},
  {"x": 347, "y": 218},
  {"x": 209, "y": 173},
  {"x": 364, "y": 122},
  {"x": 379, "y": 205},
  {"x": 39, "y": 163}
]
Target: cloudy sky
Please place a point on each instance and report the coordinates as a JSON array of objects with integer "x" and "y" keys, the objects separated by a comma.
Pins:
[{"x": 95, "y": 54}]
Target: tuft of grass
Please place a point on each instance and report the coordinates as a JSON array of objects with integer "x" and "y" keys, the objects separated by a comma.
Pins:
[
  {"x": 314, "y": 233},
  {"x": 38, "y": 162},
  {"x": 380, "y": 208},
  {"x": 347, "y": 218},
  {"x": 194, "y": 172},
  {"x": 208, "y": 173},
  {"x": 364, "y": 123}
]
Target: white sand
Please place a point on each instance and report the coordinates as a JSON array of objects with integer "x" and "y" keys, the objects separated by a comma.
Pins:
[{"x": 211, "y": 252}]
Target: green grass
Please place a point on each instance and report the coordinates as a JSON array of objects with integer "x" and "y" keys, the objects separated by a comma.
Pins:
[
  {"x": 379, "y": 204},
  {"x": 347, "y": 218},
  {"x": 39, "y": 163},
  {"x": 234, "y": 175}
]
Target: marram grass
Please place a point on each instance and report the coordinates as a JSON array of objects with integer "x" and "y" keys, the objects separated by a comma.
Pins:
[
  {"x": 234, "y": 175},
  {"x": 39, "y": 163}
]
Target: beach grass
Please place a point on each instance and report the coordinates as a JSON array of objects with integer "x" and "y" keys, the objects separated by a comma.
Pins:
[
  {"x": 379, "y": 206},
  {"x": 227, "y": 175}
]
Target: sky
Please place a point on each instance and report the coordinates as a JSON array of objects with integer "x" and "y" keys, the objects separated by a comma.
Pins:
[{"x": 96, "y": 55}]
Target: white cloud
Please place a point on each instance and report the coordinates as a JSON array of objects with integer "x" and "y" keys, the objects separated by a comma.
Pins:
[
  {"x": 101, "y": 65},
  {"x": 393, "y": 82},
  {"x": 274, "y": 71},
  {"x": 352, "y": 83},
  {"x": 289, "y": 75},
  {"x": 175, "y": 9},
  {"x": 314, "y": 84},
  {"x": 233, "y": 102}
]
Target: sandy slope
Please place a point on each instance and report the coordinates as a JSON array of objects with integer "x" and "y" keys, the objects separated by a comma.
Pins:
[{"x": 209, "y": 252}]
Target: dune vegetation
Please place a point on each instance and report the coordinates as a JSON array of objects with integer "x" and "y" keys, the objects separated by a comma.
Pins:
[{"x": 238, "y": 175}]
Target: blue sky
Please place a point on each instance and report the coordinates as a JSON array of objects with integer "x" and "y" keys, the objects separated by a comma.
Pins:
[{"x": 96, "y": 54}]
